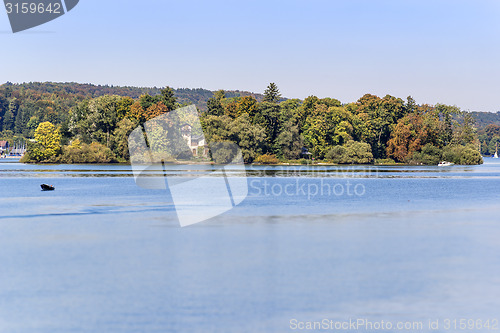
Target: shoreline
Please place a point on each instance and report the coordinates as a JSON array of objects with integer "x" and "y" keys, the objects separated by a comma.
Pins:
[
  {"x": 255, "y": 164},
  {"x": 315, "y": 164}
]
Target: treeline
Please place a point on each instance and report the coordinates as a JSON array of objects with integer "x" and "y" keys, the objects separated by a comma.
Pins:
[
  {"x": 385, "y": 129},
  {"x": 268, "y": 128}
]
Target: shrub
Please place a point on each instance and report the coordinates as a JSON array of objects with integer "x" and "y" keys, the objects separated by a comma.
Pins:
[
  {"x": 429, "y": 155},
  {"x": 84, "y": 153},
  {"x": 463, "y": 155},
  {"x": 267, "y": 159},
  {"x": 351, "y": 153}
]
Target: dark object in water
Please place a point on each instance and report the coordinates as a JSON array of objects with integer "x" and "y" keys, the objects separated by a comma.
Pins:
[{"x": 46, "y": 187}]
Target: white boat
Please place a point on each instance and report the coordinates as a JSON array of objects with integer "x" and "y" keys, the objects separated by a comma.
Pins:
[
  {"x": 445, "y": 164},
  {"x": 496, "y": 153}
]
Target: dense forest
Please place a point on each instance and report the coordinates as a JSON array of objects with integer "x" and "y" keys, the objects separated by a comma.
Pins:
[
  {"x": 57, "y": 92},
  {"x": 484, "y": 119},
  {"x": 76, "y": 123}
]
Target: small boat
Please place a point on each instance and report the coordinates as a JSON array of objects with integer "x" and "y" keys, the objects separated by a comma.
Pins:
[
  {"x": 46, "y": 187},
  {"x": 444, "y": 164},
  {"x": 496, "y": 153}
]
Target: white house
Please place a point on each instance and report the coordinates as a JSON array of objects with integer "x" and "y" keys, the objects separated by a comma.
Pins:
[{"x": 194, "y": 141}]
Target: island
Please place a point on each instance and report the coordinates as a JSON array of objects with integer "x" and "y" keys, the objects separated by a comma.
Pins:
[{"x": 84, "y": 123}]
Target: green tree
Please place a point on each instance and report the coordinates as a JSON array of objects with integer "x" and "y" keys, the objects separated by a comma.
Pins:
[
  {"x": 329, "y": 102},
  {"x": 272, "y": 93},
  {"x": 78, "y": 121},
  {"x": 307, "y": 108},
  {"x": 8, "y": 121},
  {"x": 120, "y": 138},
  {"x": 465, "y": 132},
  {"x": 32, "y": 125},
  {"x": 326, "y": 127},
  {"x": 411, "y": 105},
  {"x": 103, "y": 117},
  {"x": 289, "y": 142},
  {"x": 220, "y": 94},
  {"x": 168, "y": 98},
  {"x": 376, "y": 118},
  {"x": 19, "y": 123},
  {"x": 447, "y": 112},
  {"x": 146, "y": 101},
  {"x": 290, "y": 110},
  {"x": 214, "y": 104},
  {"x": 267, "y": 116},
  {"x": 123, "y": 106},
  {"x": 249, "y": 137},
  {"x": 95, "y": 120}
]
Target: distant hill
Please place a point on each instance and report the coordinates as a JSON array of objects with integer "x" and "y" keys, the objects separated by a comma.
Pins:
[
  {"x": 484, "y": 119},
  {"x": 200, "y": 96},
  {"x": 84, "y": 90}
]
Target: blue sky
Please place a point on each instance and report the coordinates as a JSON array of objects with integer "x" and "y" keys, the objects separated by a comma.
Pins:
[{"x": 436, "y": 51}]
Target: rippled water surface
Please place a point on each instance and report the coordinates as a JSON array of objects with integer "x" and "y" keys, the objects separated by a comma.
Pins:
[{"x": 392, "y": 244}]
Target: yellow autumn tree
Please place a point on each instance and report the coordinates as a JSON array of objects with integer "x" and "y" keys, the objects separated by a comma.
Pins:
[{"x": 48, "y": 138}]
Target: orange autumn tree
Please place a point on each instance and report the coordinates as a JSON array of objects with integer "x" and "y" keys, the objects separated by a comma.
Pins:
[
  {"x": 411, "y": 133},
  {"x": 142, "y": 115}
]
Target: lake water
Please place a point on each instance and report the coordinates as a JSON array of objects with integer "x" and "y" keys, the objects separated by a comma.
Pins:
[{"x": 392, "y": 245}]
